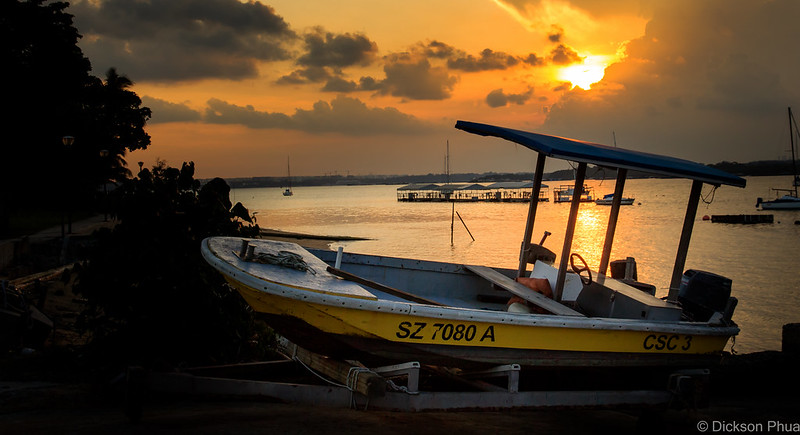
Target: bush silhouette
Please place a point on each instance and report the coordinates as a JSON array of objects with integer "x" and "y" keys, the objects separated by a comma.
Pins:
[{"x": 151, "y": 296}]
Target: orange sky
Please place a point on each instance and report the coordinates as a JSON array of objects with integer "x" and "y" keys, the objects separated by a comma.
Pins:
[{"x": 375, "y": 87}]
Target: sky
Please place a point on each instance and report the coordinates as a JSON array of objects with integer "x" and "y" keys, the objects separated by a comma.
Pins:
[{"x": 357, "y": 87}]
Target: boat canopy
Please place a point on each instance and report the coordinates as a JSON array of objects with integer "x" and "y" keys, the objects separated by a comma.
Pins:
[{"x": 603, "y": 155}]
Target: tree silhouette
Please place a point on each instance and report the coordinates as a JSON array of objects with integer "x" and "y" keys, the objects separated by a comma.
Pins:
[{"x": 50, "y": 94}]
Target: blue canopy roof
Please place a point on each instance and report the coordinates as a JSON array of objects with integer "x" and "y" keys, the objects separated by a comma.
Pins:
[{"x": 603, "y": 155}]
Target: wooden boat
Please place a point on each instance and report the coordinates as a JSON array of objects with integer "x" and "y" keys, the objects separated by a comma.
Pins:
[
  {"x": 790, "y": 200},
  {"x": 379, "y": 309},
  {"x": 609, "y": 200}
]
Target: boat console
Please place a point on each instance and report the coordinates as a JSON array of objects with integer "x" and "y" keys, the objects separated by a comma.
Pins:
[{"x": 609, "y": 298}]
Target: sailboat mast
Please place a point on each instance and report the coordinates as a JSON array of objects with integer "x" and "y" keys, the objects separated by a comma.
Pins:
[{"x": 794, "y": 160}]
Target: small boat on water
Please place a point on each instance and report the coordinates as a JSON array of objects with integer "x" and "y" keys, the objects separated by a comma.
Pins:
[
  {"x": 609, "y": 199},
  {"x": 288, "y": 191},
  {"x": 379, "y": 309},
  {"x": 790, "y": 200}
]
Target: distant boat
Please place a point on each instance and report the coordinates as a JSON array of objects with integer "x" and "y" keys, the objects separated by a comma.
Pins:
[
  {"x": 790, "y": 200},
  {"x": 288, "y": 191},
  {"x": 608, "y": 199}
]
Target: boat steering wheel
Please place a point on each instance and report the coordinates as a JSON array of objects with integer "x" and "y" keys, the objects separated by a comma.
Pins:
[{"x": 585, "y": 280}]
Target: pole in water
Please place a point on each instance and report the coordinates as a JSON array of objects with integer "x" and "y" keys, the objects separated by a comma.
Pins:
[
  {"x": 452, "y": 219},
  {"x": 465, "y": 225}
]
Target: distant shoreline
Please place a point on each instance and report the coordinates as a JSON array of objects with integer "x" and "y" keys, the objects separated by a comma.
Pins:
[{"x": 753, "y": 169}]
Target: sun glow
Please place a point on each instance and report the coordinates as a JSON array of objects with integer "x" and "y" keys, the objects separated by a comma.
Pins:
[{"x": 585, "y": 74}]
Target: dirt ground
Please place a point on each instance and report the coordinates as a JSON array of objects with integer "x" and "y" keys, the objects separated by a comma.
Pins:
[
  {"x": 31, "y": 408},
  {"x": 755, "y": 389}
]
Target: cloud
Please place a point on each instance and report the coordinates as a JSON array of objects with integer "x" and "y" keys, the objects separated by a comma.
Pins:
[
  {"x": 563, "y": 55},
  {"x": 165, "y": 111},
  {"x": 160, "y": 40},
  {"x": 415, "y": 78},
  {"x": 487, "y": 60},
  {"x": 460, "y": 60},
  {"x": 326, "y": 54},
  {"x": 706, "y": 81},
  {"x": 343, "y": 50},
  {"x": 556, "y": 34},
  {"x": 313, "y": 74},
  {"x": 498, "y": 98},
  {"x": 437, "y": 49},
  {"x": 343, "y": 115}
]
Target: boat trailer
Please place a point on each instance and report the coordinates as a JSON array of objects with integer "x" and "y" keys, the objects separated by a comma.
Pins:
[{"x": 399, "y": 387}]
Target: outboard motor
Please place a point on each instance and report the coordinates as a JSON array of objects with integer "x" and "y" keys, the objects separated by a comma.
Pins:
[{"x": 702, "y": 294}]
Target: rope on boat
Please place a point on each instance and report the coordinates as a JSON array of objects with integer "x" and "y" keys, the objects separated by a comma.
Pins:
[
  {"x": 352, "y": 379},
  {"x": 400, "y": 388},
  {"x": 288, "y": 259}
]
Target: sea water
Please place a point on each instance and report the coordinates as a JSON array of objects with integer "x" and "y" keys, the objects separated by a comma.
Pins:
[{"x": 760, "y": 259}]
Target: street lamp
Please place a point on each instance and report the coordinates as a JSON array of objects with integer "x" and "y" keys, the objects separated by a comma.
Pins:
[{"x": 67, "y": 141}]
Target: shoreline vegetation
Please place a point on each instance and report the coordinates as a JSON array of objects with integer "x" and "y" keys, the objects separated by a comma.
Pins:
[{"x": 756, "y": 169}]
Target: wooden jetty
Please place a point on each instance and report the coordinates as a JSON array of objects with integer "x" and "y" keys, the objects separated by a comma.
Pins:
[{"x": 505, "y": 191}]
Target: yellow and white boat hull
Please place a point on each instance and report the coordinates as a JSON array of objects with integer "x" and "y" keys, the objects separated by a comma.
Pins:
[{"x": 336, "y": 317}]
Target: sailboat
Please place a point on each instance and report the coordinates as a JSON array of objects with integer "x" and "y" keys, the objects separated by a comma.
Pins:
[
  {"x": 288, "y": 191},
  {"x": 790, "y": 200}
]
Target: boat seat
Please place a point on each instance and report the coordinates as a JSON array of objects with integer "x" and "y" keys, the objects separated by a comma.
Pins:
[
  {"x": 522, "y": 291},
  {"x": 572, "y": 282}
]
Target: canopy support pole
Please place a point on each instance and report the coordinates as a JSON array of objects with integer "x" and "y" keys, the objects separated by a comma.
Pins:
[
  {"x": 612, "y": 220},
  {"x": 683, "y": 245},
  {"x": 577, "y": 192},
  {"x": 536, "y": 190}
]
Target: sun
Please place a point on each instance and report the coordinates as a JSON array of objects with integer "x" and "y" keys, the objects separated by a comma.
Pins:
[{"x": 585, "y": 74}]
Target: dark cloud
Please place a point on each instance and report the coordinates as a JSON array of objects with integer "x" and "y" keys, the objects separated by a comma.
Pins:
[
  {"x": 312, "y": 74},
  {"x": 555, "y": 35},
  {"x": 342, "y": 115},
  {"x": 222, "y": 112},
  {"x": 343, "y": 50},
  {"x": 421, "y": 73},
  {"x": 160, "y": 39},
  {"x": 534, "y": 60},
  {"x": 326, "y": 54},
  {"x": 563, "y": 55},
  {"x": 338, "y": 84},
  {"x": 414, "y": 78},
  {"x": 457, "y": 59},
  {"x": 498, "y": 98},
  {"x": 438, "y": 49},
  {"x": 164, "y": 111},
  {"x": 487, "y": 60}
]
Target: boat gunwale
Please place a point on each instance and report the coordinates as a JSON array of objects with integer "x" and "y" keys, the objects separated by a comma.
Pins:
[{"x": 458, "y": 313}]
